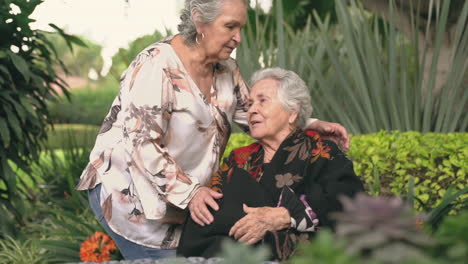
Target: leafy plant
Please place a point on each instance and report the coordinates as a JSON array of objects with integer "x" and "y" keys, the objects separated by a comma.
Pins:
[
  {"x": 364, "y": 73},
  {"x": 233, "y": 253},
  {"x": 376, "y": 228},
  {"x": 452, "y": 239},
  {"x": 27, "y": 80},
  {"x": 324, "y": 249},
  {"x": 65, "y": 231},
  {"x": 14, "y": 251},
  {"x": 433, "y": 161},
  {"x": 57, "y": 174},
  {"x": 58, "y": 214},
  {"x": 50, "y": 182},
  {"x": 382, "y": 80},
  {"x": 452, "y": 199}
]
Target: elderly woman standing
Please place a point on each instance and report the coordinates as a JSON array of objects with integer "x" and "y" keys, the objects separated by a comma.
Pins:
[
  {"x": 167, "y": 129},
  {"x": 281, "y": 188}
]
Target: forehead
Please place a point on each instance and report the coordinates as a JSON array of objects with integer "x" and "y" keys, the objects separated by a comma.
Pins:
[
  {"x": 267, "y": 87},
  {"x": 233, "y": 10}
]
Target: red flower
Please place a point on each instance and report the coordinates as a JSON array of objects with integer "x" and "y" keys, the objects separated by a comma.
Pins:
[
  {"x": 311, "y": 133},
  {"x": 241, "y": 155},
  {"x": 97, "y": 248}
]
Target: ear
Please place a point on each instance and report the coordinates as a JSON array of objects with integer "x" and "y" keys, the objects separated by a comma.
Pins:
[
  {"x": 292, "y": 118},
  {"x": 197, "y": 21}
]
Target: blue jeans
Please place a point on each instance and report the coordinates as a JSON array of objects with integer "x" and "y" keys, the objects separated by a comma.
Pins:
[{"x": 128, "y": 249}]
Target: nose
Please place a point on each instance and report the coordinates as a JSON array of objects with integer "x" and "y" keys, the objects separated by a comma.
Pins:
[{"x": 237, "y": 37}]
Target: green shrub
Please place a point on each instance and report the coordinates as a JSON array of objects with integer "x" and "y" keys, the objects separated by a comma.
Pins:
[
  {"x": 51, "y": 180},
  {"x": 436, "y": 161},
  {"x": 235, "y": 141},
  {"x": 15, "y": 251},
  {"x": 88, "y": 105},
  {"x": 324, "y": 249},
  {"x": 64, "y": 232},
  {"x": 61, "y": 135},
  {"x": 27, "y": 82}
]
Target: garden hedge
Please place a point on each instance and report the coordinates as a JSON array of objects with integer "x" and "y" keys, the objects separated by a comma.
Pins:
[{"x": 386, "y": 161}]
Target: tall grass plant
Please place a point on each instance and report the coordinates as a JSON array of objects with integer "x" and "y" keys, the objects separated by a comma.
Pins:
[{"x": 363, "y": 73}]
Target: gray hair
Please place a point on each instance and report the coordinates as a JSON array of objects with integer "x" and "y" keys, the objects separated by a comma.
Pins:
[
  {"x": 209, "y": 11},
  {"x": 292, "y": 92}
]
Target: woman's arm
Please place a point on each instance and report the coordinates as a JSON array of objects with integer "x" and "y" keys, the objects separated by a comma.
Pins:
[
  {"x": 205, "y": 197},
  {"x": 198, "y": 206},
  {"x": 252, "y": 228},
  {"x": 147, "y": 99},
  {"x": 332, "y": 131}
]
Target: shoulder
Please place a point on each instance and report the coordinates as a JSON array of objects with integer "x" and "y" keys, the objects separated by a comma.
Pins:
[
  {"x": 149, "y": 61},
  {"x": 156, "y": 52},
  {"x": 242, "y": 154},
  {"x": 322, "y": 147}
]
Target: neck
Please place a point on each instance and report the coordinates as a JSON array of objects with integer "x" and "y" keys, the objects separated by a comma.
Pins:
[
  {"x": 194, "y": 57},
  {"x": 270, "y": 146}
]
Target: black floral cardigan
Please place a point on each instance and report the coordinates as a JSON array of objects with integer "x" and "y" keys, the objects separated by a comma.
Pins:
[{"x": 306, "y": 176}]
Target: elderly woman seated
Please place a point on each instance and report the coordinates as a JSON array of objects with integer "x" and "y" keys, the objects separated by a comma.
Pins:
[{"x": 281, "y": 189}]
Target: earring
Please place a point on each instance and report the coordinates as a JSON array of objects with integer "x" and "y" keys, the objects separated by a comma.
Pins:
[{"x": 202, "y": 38}]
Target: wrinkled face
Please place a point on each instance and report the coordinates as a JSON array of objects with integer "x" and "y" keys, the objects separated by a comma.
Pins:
[
  {"x": 223, "y": 35},
  {"x": 268, "y": 121}
]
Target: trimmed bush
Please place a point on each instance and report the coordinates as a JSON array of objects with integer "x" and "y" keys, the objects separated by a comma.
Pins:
[
  {"x": 386, "y": 161},
  {"x": 62, "y": 135}
]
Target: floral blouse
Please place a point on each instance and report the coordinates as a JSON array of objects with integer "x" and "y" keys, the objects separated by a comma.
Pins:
[{"x": 160, "y": 141}]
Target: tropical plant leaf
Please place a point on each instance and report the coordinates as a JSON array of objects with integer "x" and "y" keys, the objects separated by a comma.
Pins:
[
  {"x": 21, "y": 65},
  {"x": 4, "y": 132}
]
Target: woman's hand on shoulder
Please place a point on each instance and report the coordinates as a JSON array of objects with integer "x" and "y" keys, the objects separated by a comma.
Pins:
[
  {"x": 252, "y": 228},
  {"x": 198, "y": 206},
  {"x": 332, "y": 131}
]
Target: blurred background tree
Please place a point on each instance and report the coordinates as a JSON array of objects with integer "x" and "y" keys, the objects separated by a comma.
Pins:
[
  {"x": 79, "y": 60},
  {"x": 121, "y": 60}
]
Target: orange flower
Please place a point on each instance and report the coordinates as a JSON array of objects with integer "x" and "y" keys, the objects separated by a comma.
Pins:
[
  {"x": 321, "y": 151},
  {"x": 97, "y": 248},
  {"x": 419, "y": 224}
]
